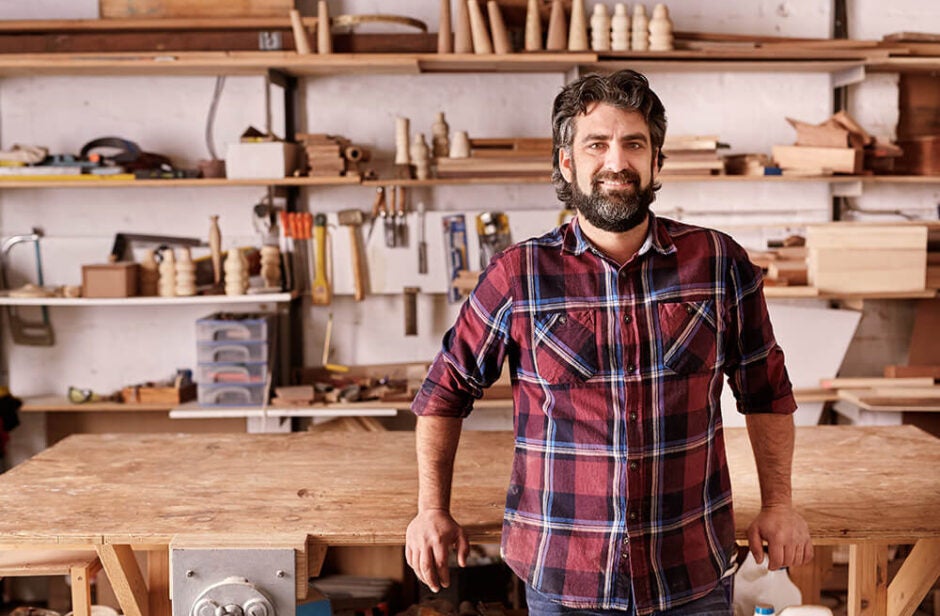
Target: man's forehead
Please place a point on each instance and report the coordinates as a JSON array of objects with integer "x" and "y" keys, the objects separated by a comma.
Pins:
[{"x": 616, "y": 113}]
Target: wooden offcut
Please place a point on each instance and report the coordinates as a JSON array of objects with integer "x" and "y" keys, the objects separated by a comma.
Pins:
[
  {"x": 821, "y": 160},
  {"x": 120, "y": 9}
]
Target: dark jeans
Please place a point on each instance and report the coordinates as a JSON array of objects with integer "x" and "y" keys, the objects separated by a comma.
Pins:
[{"x": 716, "y": 603}]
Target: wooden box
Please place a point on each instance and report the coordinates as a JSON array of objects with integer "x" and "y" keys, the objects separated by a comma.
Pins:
[
  {"x": 110, "y": 279},
  {"x": 264, "y": 160},
  {"x": 821, "y": 160},
  {"x": 144, "y": 394}
]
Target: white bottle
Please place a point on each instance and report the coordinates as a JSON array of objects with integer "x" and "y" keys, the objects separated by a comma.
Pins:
[
  {"x": 755, "y": 584},
  {"x": 620, "y": 28}
]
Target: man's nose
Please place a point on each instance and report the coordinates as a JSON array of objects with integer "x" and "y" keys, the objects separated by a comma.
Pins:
[{"x": 616, "y": 159}]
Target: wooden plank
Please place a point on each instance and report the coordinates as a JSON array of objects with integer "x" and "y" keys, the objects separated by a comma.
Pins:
[
  {"x": 924, "y": 349},
  {"x": 17, "y": 563},
  {"x": 136, "y": 25},
  {"x": 158, "y": 581},
  {"x": 861, "y": 383},
  {"x": 863, "y": 235},
  {"x": 128, "y": 582},
  {"x": 868, "y": 579},
  {"x": 915, "y": 578},
  {"x": 110, "y": 9},
  {"x": 80, "y": 577},
  {"x": 896, "y": 372},
  {"x": 837, "y": 160}
]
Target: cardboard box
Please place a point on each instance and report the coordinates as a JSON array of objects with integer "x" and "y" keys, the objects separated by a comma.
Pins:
[
  {"x": 110, "y": 279},
  {"x": 263, "y": 160}
]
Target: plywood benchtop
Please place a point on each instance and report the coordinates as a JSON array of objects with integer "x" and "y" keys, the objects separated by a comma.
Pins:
[{"x": 851, "y": 483}]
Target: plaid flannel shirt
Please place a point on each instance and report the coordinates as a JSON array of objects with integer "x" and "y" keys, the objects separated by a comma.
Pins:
[{"x": 619, "y": 465}]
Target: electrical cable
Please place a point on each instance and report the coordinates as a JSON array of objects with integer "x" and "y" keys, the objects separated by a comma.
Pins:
[{"x": 210, "y": 119}]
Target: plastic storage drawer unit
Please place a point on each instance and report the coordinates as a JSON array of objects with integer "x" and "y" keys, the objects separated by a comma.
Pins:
[
  {"x": 231, "y": 394},
  {"x": 232, "y": 373},
  {"x": 228, "y": 326}
]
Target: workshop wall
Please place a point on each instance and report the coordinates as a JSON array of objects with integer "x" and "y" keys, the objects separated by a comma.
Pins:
[{"x": 105, "y": 348}]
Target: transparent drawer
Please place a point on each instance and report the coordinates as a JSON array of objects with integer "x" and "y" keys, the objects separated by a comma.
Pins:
[
  {"x": 231, "y": 352},
  {"x": 230, "y": 394},
  {"x": 232, "y": 373},
  {"x": 237, "y": 326}
]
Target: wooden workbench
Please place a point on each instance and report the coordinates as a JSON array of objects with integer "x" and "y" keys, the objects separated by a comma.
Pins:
[{"x": 865, "y": 486}]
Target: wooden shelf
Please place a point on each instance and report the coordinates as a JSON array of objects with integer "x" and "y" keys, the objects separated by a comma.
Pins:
[
  {"x": 192, "y": 410},
  {"x": 261, "y": 298},
  {"x": 189, "y": 183},
  {"x": 61, "y": 404},
  {"x": 259, "y": 62},
  {"x": 814, "y": 293}
]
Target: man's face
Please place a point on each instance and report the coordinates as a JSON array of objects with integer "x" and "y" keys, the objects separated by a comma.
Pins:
[{"x": 611, "y": 168}]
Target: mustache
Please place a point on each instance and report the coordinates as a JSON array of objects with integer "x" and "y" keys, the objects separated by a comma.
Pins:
[{"x": 624, "y": 175}]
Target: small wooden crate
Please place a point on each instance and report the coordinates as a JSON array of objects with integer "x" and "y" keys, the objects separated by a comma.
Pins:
[
  {"x": 143, "y": 394},
  {"x": 110, "y": 279}
]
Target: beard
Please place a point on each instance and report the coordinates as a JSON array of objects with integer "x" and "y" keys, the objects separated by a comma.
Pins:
[{"x": 615, "y": 211}]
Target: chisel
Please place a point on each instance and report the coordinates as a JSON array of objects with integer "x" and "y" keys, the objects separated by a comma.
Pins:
[{"x": 320, "y": 291}]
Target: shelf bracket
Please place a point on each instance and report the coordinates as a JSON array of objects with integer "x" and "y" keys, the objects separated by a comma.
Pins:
[
  {"x": 847, "y": 189},
  {"x": 849, "y": 76}
]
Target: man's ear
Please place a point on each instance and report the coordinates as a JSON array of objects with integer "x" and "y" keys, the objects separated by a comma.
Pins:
[
  {"x": 564, "y": 164},
  {"x": 654, "y": 171}
]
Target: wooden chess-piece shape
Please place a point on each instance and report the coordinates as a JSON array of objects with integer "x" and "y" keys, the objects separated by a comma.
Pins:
[
  {"x": 641, "y": 35},
  {"x": 577, "y": 32},
  {"x": 463, "y": 38},
  {"x": 557, "y": 28},
  {"x": 661, "y": 38},
  {"x": 501, "y": 44},
  {"x": 149, "y": 281},
  {"x": 445, "y": 39},
  {"x": 600, "y": 28},
  {"x": 236, "y": 273},
  {"x": 167, "y": 269},
  {"x": 402, "y": 145},
  {"x": 271, "y": 266},
  {"x": 185, "y": 274},
  {"x": 420, "y": 157},
  {"x": 481, "y": 38},
  {"x": 620, "y": 28},
  {"x": 440, "y": 137},
  {"x": 215, "y": 249},
  {"x": 460, "y": 145},
  {"x": 324, "y": 42},
  {"x": 533, "y": 27}
]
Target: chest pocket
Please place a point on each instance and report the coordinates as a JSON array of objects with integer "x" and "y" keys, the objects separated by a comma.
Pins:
[
  {"x": 690, "y": 336},
  {"x": 565, "y": 347}
]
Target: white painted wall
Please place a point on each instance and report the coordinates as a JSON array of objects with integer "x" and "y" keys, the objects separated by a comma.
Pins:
[{"x": 104, "y": 348}]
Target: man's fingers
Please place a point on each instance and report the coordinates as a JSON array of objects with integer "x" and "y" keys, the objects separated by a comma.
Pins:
[
  {"x": 790, "y": 553},
  {"x": 429, "y": 570},
  {"x": 755, "y": 545},
  {"x": 808, "y": 552},
  {"x": 441, "y": 554},
  {"x": 775, "y": 552},
  {"x": 463, "y": 548}
]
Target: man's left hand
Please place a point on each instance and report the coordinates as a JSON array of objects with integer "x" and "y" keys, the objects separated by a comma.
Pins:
[{"x": 786, "y": 534}]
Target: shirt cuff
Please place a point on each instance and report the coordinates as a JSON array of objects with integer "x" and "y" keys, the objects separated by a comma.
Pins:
[
  {"x": 784, "y": 405},
  {"x": 441, "y": 404}
]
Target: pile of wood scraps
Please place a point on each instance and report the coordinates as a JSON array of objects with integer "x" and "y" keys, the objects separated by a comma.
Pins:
[
  {"x": 500, "y": 157},
  {"x": 692, "y": 155},
  {"x": 393, "y": 383},
  {"x": 838, "y": 145},
  {"x": 854, "y": 257},
  {"x": 331, "y": 155},
  {"x": 784, "y": 266}
]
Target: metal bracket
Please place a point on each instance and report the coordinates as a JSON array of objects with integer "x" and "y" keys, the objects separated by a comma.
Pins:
[
  {"x": 846, "y": 189},
  {"x": 233, "y": 582},
  {"x": 849, "y": 76}
]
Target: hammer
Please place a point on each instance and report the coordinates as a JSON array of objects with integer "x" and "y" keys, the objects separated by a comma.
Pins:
[{"x": 353, "y": 219}]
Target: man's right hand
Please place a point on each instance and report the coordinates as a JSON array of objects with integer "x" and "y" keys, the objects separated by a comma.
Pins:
[{"x": 428, "y": 540}]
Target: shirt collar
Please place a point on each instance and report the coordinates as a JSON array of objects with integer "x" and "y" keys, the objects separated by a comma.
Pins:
[{"x": 657, "y": 238}]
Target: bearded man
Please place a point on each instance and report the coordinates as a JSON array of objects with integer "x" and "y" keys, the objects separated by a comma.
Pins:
[{"x": 619, "y": 329}]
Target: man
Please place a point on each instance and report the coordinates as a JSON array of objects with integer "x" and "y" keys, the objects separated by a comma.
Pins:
[{"x": 619, "y": 328}]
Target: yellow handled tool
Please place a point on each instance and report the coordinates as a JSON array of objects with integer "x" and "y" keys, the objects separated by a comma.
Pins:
[{"x": 321, "y": 292}]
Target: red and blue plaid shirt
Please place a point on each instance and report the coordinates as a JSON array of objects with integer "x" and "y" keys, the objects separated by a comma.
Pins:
[{"x": 619, "y": 466}]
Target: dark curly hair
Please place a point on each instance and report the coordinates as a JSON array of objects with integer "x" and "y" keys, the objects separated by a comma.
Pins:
[{"x": 624, "y": 89}]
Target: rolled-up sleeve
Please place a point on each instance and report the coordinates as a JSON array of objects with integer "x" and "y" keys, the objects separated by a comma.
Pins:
[
  {"x": 754, "y": 361},
  {"x": 473, "y": 350}
]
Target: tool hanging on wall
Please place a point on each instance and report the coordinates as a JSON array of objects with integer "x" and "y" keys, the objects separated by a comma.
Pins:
[
  {"x": 321, "y": 292},
  {"x": 494, "y": 236},
  {"x": 411, "y": 310},
  {"x": 401, "y": 218},
  {"x": 391, "y": 227},
  {"x": 422, "y": 243},
  {"x": 327, "y": 340},
  {"x": 352, "y": 219},
  {"x": 287, "y": 251},
  {"x": 379, "y": 210},
  {"x": 455, "y": 246},
  {"x": 24, "y": 331}
]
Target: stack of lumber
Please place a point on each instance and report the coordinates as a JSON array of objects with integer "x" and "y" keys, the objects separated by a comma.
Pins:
[
  {"x": 501, "y": 157},
  {"x": 835, "y": 146},
  {"x": 847, "y": 257},
  {"x": 293, "y": 396},
  {"x": 750, "y": 164},
  {"x": 933, "y": 256},
  {"x": 692, "y": 155},
  {"x": 887, "y": 394},
  {"x": 783, "y": 267},
  {"x": 329, "y": 155}
]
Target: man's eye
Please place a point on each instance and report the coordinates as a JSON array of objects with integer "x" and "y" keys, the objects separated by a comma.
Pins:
[
  {"x": 635, "y": 146},
  {"x": 595, "y": 146}
]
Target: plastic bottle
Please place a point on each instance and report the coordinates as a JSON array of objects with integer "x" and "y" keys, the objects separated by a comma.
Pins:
[
  {"x": 763, "y": 609},
  {"x": 756, "y": 584}
]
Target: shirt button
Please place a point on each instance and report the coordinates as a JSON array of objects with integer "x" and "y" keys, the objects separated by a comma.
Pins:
[
  {"x": 627, "y": 318},
  {"x": 632, "y": 516},
  {"x": 634, "y": 466},
  {"x": 631, "y": 368},
  {"x": 689, "y": 309},
  {"x": 562, "y": 319},
  {"x": 632, "y": 416}
]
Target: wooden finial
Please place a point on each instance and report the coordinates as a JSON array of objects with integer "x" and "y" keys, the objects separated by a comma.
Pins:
[
  {"x": 501, "y": 42},
  {"x": 557, "y": 28},
  {"x": 445, "y": 39}
]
